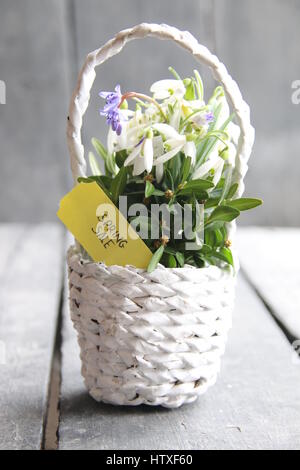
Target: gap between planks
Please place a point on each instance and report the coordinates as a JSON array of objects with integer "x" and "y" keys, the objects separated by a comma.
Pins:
[
  {"x": 52, "y": 413},
  {"x": 50, "y": 436},
  {"x": 274, "y": 314}
]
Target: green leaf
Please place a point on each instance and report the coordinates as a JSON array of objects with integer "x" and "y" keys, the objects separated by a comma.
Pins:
[
  {"x": 218, "y": 237},
  {"x": 209, "y": 238},
  {"x": 205, "y": 249},
  {"x": 170, "y": 250},
  {"x": 175, "y": 168},
  {"x": 196, "y": 186},
  {"x": 223, "y": 254},
  {"x": 244, "y": 203},
  {"x": 110, "y": 165},
  {"x": 207, "y": 146},
  {"x": 102, "y": 181},
  {"x": 81, "y": 179},
  {"x": 186, "y": 169},
  {"x": 212, "y": 202},
  {"x": 171, "y": 261},
  {"x": 180, "y": 258},
  {"x": 118, "y": 184},
  {"x": 149, "y": 189},
  {"x": 227, "y": 183},
  {"x": 99, "y": 147},
  {"x": 155, "y": 259},
  {"x": 94, "y": 164},
  {"x": 168, "y": 179},
  {"x": 121, "y": 157},
  {"x": 199, "y": 195},
  {"x": 158, "y": 192},
  {"x": 232, "y": 190},
  {"x": 223, "y": 214},
  {"x": 199, "y": 85},
  {"x": 199, "y": 260},
  {"x": 106, "y": 181}
]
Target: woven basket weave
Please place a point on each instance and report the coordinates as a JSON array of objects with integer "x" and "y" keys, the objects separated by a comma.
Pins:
[{"x": 151, "y": 338}]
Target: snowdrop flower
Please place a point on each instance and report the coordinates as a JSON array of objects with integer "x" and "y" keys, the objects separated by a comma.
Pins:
[
  {"x": 176, "y": 115},
  {"x": 214, "y": 163},
  {"x": 202, "y": 119},
  {"x": 190, "y": 150},
  {"x": 158, "y": 150},
  {"x": 166, "y": 88},
  {"x": 126, "y": 139},
  {"x": 174, "y": 142},
  {"x": 193, "y": 104},
  {"x": 141, "y": 156}
]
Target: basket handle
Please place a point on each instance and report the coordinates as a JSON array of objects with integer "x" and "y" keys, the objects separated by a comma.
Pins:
[{"x": 81, "y": 95}]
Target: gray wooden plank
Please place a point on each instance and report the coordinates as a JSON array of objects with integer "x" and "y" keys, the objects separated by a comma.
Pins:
[
  {"x": 258, "y": 40},
  {"x": 29, "y": 293},
  {"x": 32, "y": 134},
  {"x": 254, "y": 405},
  {"x": 141, "y": 62},
  {"x": 271, "y": 260}
]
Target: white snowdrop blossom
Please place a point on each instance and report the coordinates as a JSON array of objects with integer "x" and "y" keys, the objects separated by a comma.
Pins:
[
  {"x": 190, "y": 150},
  {"x": 141, "y": 156},
  {"x": 173, "y": 142},
  {"x": 168, "y": 88},
  {"x": 213, "y": 165},
  {"x": 117, "y": 142},
  {"x": 202, "y": 119}
]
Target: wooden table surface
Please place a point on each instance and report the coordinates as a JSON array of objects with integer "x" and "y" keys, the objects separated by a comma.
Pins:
[{"x": 254, "y": 405}]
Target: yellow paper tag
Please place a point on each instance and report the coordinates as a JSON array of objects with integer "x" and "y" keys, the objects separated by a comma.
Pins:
[{"x": 100, "y": 227}]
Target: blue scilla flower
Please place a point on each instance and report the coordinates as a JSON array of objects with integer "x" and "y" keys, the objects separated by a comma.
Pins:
[{"x": 111, "y": 109}]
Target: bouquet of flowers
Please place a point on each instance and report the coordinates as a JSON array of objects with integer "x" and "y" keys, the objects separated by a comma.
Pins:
[{"x": 173, "y": 154}]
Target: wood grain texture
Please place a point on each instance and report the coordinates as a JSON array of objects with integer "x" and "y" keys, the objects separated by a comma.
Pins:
[
  {"x": 142, "y": 62},
  {"x": 271, "y": 260},
  {"x": 31, "y": 265},
  {"x": 32, "y": 133},
  {"x": 254, "y": 405},
  {"x": 258, "y": 40}
]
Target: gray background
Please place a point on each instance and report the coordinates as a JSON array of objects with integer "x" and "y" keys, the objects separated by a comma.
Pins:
[{"x": 43, "y": 44}]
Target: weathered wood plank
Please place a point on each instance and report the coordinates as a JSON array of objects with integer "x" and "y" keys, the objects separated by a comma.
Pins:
[
  {"x": 254, "y": 405},
  {"x": 32, "y": 134},
  {"x": 141, "y": 62},
  {"x": 271, "y": 260},
  {"x": 29, "y": 292},
  {"x": 258, "y": 41}
]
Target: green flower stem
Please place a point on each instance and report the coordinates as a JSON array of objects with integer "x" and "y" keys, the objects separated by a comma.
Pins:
[{"x": 173, "y": 72}]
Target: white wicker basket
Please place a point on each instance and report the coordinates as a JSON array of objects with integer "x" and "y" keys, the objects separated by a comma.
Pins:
[{"x": 151, "y": 338}]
